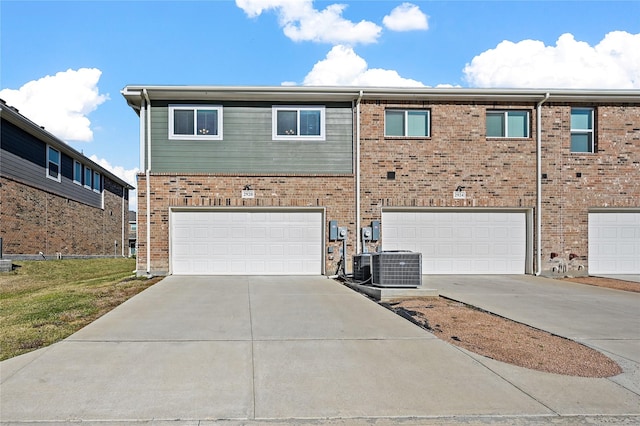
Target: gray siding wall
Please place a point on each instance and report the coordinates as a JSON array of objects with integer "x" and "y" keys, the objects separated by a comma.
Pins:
[
  {"x": 23, "y": 158},
  {"x": 247, "y": 145}
]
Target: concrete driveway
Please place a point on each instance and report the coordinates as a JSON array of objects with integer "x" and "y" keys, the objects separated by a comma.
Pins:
[{"x": 288, "y": 350}]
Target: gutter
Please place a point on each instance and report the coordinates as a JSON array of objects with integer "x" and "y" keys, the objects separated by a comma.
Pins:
[{"x": 539, "y": 184}]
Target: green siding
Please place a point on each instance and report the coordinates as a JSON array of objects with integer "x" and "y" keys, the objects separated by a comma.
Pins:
[{"x": 247, "y": 146}]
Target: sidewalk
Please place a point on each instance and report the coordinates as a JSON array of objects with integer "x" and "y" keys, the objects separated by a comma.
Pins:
[{"x": 283, "y": 350}]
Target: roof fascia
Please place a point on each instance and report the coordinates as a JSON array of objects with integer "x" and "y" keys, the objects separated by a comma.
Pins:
[{"x": 133, "y": 94}]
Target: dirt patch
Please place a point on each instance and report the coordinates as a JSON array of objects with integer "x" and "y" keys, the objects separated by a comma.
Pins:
[
  {"x": 606, "y": 282},
  {"x": 504, "y": 340},
  {"x": 508, "y": 341}
]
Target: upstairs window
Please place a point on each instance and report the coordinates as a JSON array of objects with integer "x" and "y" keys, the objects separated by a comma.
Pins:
[
  {"x": 291, "y": 122},
  {"x": 507, "y": 124},
  {"x": 195, "y": 122},
  {"x": 407, "y": 123},
  {"x": 77, "y": 172},
  {"x": 582, "y": 130},
  {"x": 87, "y": 177},
  {"x": 96, "y": 182},
  {"x": 53, "y": 163}
]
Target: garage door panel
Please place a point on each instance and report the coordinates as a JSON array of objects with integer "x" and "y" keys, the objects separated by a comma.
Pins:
[
  {"x": 614, "y": 243},
  {"x": 263, "y": 242},
  {"x": 460, "y": 242}
]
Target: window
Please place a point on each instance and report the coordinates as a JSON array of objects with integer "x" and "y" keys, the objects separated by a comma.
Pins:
[
  {"x": 53, "y": 163},
  {"x": 507, "y": 124},
  {"x": 87, "y": 177},
  {"x": 582, "y": 130},
  {"x": 195, "y": 122},
  {"x": 77, "y": 172},
  {"x": 408, "y": 123},
  {"x": 96, "y": 182},
  {"x": 290, "y": 122}
]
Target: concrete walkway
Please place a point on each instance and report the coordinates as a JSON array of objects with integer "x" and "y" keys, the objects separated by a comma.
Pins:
[{"x": 295, "y": 350}]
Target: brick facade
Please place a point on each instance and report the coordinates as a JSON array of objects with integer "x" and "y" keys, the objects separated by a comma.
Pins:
[
  {"x": 36, "y": 221},
  {"x": 577, "y": 183},
  {"x": 423, "y": 172},
  {"x": 333, "y": 193},
  {"x": 501, "y": 173}
]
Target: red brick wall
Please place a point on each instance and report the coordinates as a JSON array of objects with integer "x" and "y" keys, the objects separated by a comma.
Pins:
[
  {"x": 609, "y": 178},
  {"x": 35, "y": 221},
  {"x": 334, "y": 193},
  {"x": 502, "y": 172}
]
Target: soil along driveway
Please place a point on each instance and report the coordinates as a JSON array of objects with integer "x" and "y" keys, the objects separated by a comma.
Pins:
[{"x": 263, "y": 348}]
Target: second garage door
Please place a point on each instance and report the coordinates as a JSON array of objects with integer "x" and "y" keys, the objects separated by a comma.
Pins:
[
  {"x": 252, "y": 242},
  {"x": 454, "y": 242},
  {"x": 614, "y": 243}
]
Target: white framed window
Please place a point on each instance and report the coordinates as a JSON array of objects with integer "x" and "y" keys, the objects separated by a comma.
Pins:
[
  {"x": 195, "y": 122},
  {"x": 96, "y": 182},
  {"x": 407, "y": 123},
  {"x": 298, "y": 122},
  {"x": 508, "y": 124},
  {"x": 88, "y": 173},
  {"x": 53, "y": 163},
  {"x": 582, "y": 130},
  {"x": 77, "y": 172}
]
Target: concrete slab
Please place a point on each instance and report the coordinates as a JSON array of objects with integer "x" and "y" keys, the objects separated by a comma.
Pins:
[
  {"x": 385, "y": 294},
  {"x": 133, "y": 380},
  {"x": 277, "y": 316},
  {"x": 567, "y": 395},
  {"x": 378, "y": 378},
  {"x": 200, "y": 309}
]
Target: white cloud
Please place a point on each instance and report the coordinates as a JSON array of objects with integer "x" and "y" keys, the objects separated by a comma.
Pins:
[
  {"x": 302, "y": 22},
  {"x": 128, "y": 175},
  {"x": 406, "y": 17},
  {"x": 614, "y": 63},
  {"x": 343, "y": 67},
  {"x": 61, "y": 102}
]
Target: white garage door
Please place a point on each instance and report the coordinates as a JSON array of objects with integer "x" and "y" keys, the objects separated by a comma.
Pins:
[
  {"x": 246, "y": 242},
  {"x": 460, "y": 242},
  {"x": 614, "y": 243}
]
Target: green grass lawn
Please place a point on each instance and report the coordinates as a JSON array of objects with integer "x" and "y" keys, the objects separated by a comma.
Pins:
[{"x": 42, "y": 302}]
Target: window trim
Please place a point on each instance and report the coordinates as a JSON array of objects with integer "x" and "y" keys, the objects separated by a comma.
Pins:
[
  {"x": 591, "y": 132},
  {"x": 49, "y": 162},
  {"x": 406, "y": 112},
  {"x": 77, "y": 179},
  {"x": 195, "y": 108},
  {"x": 506, "y": 112},
  {"x": 274, "y": 122}
]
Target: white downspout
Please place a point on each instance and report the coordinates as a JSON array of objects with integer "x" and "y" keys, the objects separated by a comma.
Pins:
[
  {"x": 124, "y": 223},
  {"x": 358, "y": 248},
  {"x": 539, "y": 184},
  {"x": 147, "y": 173}
]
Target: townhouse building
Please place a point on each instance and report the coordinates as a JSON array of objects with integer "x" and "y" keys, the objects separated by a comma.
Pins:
[{"x": 268, "y": 180}]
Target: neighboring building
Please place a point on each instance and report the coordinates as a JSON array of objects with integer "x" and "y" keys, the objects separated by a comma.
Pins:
[
  {"x": 54, "y": 200},
  {"x": 248, "y": 180},
  {"x": 133, "y": 233}
]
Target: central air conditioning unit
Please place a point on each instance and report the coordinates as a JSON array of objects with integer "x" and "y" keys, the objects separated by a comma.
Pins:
[
  {"x": 396, "y": 269},
  {"x": 362, "y": 267}
]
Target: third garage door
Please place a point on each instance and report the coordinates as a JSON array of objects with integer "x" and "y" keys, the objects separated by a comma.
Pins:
[{"x": 456, "y": 242}]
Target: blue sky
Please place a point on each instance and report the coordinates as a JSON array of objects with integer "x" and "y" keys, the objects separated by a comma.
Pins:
[{"x": 63, "y": 63}]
